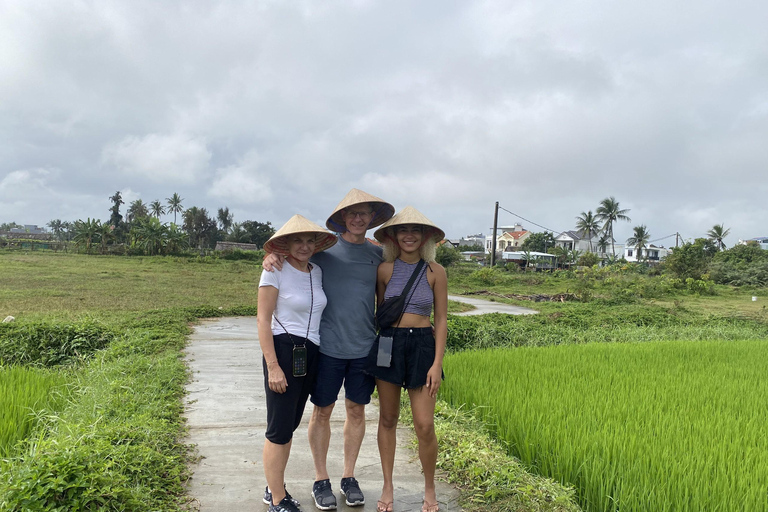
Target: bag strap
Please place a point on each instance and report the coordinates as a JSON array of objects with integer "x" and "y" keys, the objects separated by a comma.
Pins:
[
  {"x": 311, "y": 307},
  {"x": 407, "y": 288}
]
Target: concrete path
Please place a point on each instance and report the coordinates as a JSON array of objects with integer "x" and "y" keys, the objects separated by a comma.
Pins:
[
  {"x": 485, "y": 306},
  {"x": 226, "y": 415}
]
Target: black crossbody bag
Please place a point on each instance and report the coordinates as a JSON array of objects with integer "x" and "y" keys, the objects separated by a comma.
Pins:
[
  {"x": 392, "y": 309},
  {"x": 299, "y": 360}
]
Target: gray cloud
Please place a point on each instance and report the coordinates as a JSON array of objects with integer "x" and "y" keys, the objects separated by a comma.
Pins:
[{"x": 277, "y": 108}]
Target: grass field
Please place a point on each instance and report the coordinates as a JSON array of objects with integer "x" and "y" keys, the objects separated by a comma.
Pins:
[
  {"x": 673, "y": 426},
  {"x": 119, "y": 438}
]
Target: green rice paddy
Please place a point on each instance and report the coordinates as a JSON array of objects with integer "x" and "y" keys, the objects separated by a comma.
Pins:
[{"x": 668, "y": 426}]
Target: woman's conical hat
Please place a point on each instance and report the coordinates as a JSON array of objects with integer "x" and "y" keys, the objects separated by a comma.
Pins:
[
  {"x": 278, "y": 243},
  {"x": 383, "y": 210},
  {"x": 408, "y": 215}
]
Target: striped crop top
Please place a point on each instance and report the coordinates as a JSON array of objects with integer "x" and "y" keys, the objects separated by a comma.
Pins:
[{"x": 421, "y": 296}]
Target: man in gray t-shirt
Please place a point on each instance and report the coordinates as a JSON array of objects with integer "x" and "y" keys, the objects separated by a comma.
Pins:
[{"x": 347, "y": 333}]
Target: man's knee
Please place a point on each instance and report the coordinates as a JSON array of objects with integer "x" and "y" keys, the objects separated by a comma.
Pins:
[
  {"x": 355, "y": 412},
  {"x": 322, "y": 414}
]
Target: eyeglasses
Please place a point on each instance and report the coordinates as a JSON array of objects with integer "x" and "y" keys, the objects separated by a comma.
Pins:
[{"x": 362, "y": 214}]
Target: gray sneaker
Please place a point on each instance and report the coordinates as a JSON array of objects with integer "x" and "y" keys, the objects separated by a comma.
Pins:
[
  {"x": 267, "y": 499},
  {"x": 351, "y": 490},
  {"x": 285, "y": 505},
  {"x": 323, "y": 495}
]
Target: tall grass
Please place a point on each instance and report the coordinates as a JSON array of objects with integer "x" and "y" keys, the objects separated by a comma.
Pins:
[
  {"x": 25, "y": 393},
  {"x": 675, "y": 426}
]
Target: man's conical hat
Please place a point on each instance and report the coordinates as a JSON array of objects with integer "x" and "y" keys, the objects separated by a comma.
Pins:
[
  {"x": 408, "y": 215},
  {"x": 383, "y": 211},
  {"x": 278, "y": 243}
]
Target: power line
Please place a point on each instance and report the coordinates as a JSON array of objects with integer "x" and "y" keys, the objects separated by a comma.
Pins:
[
  {"x": 663, "y": 238},
  {"x": 526, "y": 220}
]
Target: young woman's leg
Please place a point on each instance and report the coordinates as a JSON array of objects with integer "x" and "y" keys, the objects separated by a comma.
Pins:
[
  {"x": 423, "y": 408},
  {"x": 389, "y": 412}
]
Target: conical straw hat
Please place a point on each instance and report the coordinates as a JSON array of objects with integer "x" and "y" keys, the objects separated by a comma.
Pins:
[
  {"x": 408, "y": 215},
  {"x": 383, "y": 210},
  {"x": 298, "y": 224}
]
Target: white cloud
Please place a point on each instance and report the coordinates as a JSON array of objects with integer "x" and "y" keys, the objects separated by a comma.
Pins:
[
  {"x": 243, "y": 182},
  {"x": 160, "y": 158}
]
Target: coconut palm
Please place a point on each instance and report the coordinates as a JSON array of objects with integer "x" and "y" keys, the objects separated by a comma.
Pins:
[
  {"x": 602, "y": 243},
  {"x": 57, "y": 226},
  {"x": 137, "y": 210},
  {"x": 157, "y": 208},
  {"x": 238, "y": 234},
  {"x": 717, "y": 233},
  {"x": 224, "y": 218},
  {"x": 174, "y": 205},
  {"x": 588, "y": 224},
  {"x": 639, "y": 240},
  {"x": 609, "y": 212}
]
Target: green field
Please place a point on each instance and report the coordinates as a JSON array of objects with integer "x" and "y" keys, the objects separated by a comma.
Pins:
[
  {"x": 112, "y": 329},
  {"x": 677, "y": 426}
]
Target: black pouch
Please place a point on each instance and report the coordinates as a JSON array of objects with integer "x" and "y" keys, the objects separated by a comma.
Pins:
[{"x": 299, "y": 360}]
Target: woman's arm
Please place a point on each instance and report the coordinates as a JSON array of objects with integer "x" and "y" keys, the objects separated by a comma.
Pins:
[
  {"x": 383, "y": 275},
  {"x": 440, "y": 291},
  {"x": 267, "y": 303}
]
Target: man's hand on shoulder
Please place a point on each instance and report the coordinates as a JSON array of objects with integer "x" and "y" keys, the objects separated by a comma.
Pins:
[{"x": 272, "y": 261}]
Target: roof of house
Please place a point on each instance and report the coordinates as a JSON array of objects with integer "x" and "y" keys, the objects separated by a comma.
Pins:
[{"x": 515, "y": 234}]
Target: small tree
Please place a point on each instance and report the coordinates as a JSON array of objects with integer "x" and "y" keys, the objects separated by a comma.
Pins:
[
  {"x": 446, "y": 255},
  {"x": 716, "y": 234}
]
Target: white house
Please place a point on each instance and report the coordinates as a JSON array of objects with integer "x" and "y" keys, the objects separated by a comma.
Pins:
[
  {"x": 762, "y": 241},
  {"x": 651, "y": 254},
  {"x": 510, "y": 239},
  {"x": 578, "y": 241}
]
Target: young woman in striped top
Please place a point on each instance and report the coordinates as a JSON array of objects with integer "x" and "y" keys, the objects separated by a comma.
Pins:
[{"x": 416, "y": 362}]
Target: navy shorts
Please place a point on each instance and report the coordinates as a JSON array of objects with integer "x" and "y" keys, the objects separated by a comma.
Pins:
[
  {"x": 332, "y": 372},
  {"x": 413, "y": 354},
  {"x": 284, "y": 410}
]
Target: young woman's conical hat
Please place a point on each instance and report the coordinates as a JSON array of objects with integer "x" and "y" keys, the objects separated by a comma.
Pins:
[
  {"x": 278, "y": 243},
  {"x": 383, "y": 210},
  {"x": 408, "y": 215}
]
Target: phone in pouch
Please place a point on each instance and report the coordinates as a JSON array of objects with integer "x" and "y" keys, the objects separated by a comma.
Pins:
[
  {"x": 299, "y": 360},
  {"x": 384, "y": 356}
]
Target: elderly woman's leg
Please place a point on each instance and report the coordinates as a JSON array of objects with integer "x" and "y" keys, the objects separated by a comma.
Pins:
[
  {"x": 423, "y": 408},
  {"x": 389, "y": 413},
  {"x": 275, "y": 459}
]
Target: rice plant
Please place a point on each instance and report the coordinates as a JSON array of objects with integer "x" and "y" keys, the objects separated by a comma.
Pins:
[
  {"x": 674, "y": 426},
  {"x": 24, "y": 393}
]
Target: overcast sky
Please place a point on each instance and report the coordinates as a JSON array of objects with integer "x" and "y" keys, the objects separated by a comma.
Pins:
[{"x": 274, "y": 107}]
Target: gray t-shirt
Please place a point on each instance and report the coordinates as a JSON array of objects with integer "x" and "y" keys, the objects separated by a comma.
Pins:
[{"x": 349, "y": 280}]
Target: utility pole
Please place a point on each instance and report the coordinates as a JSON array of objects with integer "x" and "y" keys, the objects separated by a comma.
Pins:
[
  {"x": 493, "y": 236},
  {"x": 677, "y": 235}
]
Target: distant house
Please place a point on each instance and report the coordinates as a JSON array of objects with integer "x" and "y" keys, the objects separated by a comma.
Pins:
[
  {"x": 651, "y": 254},
  {"x": 762, "y": 241},
  {"x": 511, "y": 238},
  {"x": 578, "y": 241}
]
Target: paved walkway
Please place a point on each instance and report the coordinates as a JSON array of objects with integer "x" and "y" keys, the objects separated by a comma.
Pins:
[
  {"x": 485, "y": 306},
  {"x": 226, "y": 413}
]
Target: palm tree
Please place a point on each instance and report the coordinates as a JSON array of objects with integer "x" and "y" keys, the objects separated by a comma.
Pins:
[
  {"x": 57, "y": 226},
  {"x": 602, "y": 243},
  {"x": 225, "y": 219},
  {"x": 238, "y": 234},
  {"x": 85, "y": 232},
  {"x": 588, "y": 223},
  {"x": 174, "y": 205},
  {"x": 157, "y": 209},
  {"x": 639, "y": 240},
  {"x": 610, "y": 212},
  {"x": 717, "y": 233},
  {"x": 138, "y": 210},
  {"x": 177, "y": 241}
]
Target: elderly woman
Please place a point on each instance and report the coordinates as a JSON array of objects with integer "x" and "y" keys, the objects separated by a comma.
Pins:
[
  {"x": 291, "y": 302},
  {"x": 409, "y": 354}
]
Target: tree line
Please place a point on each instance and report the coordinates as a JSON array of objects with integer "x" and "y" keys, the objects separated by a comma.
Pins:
[{"x": 142, "y": 232}]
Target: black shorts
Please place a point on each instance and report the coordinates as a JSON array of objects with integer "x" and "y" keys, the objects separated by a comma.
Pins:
[
  {"x": 284, "y": 410},
  {"x": 413, "y": 354}
]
